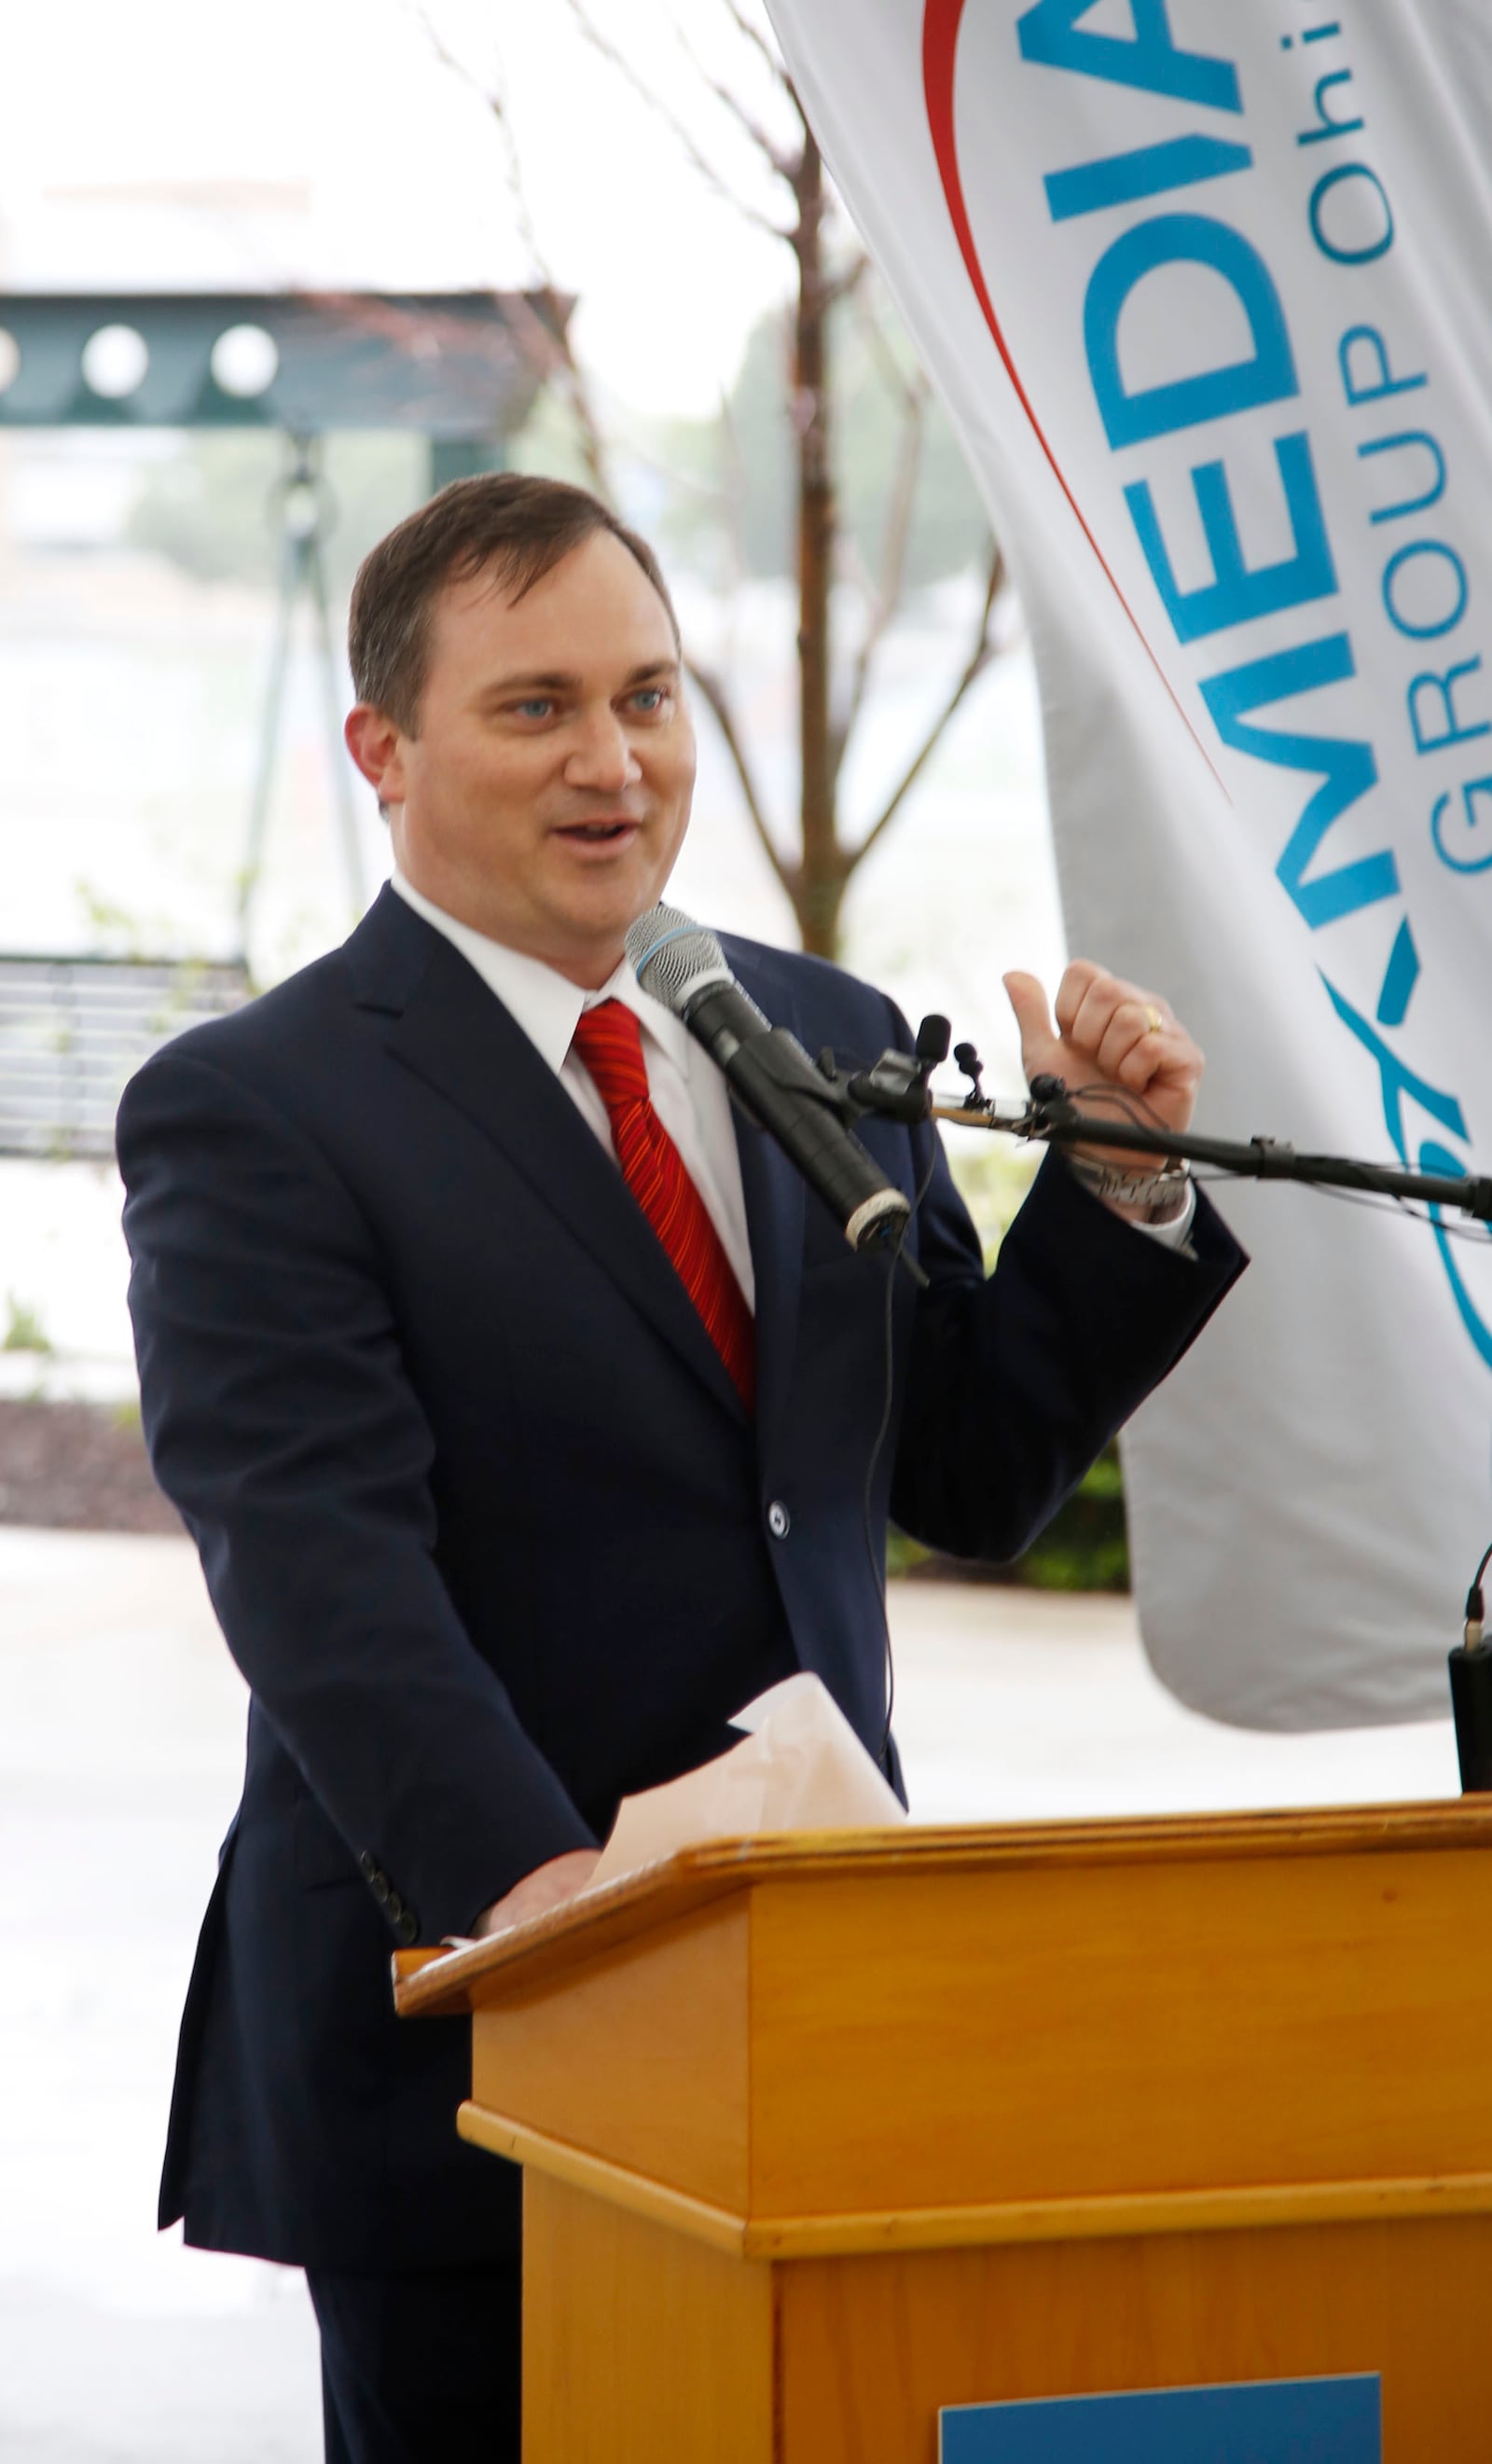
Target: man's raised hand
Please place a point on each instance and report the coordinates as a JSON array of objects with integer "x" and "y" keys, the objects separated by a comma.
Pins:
[{"x": 1112, "y": 1042}]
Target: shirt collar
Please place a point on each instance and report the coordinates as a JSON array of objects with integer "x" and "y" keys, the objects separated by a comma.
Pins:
[{"x": 546, "y": 1004}]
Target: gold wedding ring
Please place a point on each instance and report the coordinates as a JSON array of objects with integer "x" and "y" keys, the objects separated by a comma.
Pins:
[{"x": 1153, "y": 1022}]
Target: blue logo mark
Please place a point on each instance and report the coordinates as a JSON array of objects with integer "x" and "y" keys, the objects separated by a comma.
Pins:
[{"x": 1283, "y": 2421}]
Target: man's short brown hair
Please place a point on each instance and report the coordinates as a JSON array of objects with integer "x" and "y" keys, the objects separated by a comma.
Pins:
[{"x": 515, "y": 526}]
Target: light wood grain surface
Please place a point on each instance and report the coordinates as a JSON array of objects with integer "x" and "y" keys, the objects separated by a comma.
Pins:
[
  {"x": 640, "y": 2345},
  {"x": 446, "y": 1980},
  {"x": 639, "y": 2055},
  {"x": 643, "y": 2344},
  {"x": 870, "y": 2348},
  {"x": 1106, "y": 2013},
  {"x": 1077, "y": 2031}
]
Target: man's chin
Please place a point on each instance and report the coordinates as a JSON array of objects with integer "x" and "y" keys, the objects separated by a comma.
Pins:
[
  {"x": 609, "y": 901},
  {"x": 592, "y": 933}
]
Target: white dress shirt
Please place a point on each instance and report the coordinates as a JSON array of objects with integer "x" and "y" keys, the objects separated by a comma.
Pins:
[{"x": 689, "y": 1094}]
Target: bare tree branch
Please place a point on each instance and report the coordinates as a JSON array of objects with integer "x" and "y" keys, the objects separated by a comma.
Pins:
[
  {"x": 909, "y": 384},
  {"x": 554, "y": 337},
  {"x": 842, "y": 285},
  {"x": 978, "y": 660},
  {"x": 729, "y": 498},
  {"x": 715, "y": 693},
  {"x": 754, "y": 35},
  {"x": 911, "y": 388},
  {"x": 782, "y": 163},
  {"x": 701, "y": 162},
  {"x": 732, "y": 489},
  {"x": 496, "y": 101},
  {"x": 593, "y": 444},
  {"x": 893, "y": 563}
]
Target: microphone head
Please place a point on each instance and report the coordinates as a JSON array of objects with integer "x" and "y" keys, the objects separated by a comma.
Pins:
[
  {"x": 934, "y": 1038},
  {"x": 674, "y": 957}
]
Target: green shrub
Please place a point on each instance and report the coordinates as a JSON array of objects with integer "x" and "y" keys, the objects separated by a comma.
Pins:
[
  {"x": 24, "y": 1329},
  {"x": 1085, "y": 1548}
]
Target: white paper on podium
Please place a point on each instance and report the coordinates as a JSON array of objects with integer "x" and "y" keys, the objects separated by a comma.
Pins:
[{"x": 799, "y": 1767}]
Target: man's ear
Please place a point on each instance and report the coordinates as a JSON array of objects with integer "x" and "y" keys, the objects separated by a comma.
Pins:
[{"x": 376, "y": 745}]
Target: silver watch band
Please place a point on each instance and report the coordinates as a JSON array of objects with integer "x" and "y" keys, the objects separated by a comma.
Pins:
[{"x": 1166, "y": 1187}]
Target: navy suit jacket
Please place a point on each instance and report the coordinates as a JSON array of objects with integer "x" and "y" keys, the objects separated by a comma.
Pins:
[{"x": 487, "y": 1526}]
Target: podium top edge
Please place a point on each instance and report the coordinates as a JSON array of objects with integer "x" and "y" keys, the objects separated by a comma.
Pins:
[{"x": 440, "y": 1983}]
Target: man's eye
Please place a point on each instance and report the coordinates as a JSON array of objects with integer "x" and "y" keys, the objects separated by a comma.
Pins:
[
  {"x": 534, "y": 706},
  {"x": 650, "y": 700}
]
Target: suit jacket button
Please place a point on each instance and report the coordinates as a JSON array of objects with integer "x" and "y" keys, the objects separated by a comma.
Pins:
[
  {"x": 395, "y": 1906},
  {"x": 408, "y": 1925},
  {"x": 381, "y": 1890},
  {"x": 779, "y": 1520},
  {"x": 369, "y": 1864}
]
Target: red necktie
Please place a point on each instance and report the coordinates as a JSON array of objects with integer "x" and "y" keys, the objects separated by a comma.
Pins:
[{"x": 609, "y": 1042}]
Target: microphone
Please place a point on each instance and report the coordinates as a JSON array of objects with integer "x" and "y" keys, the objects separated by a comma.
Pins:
[
  {"x": 1471, "y": 1691},
  {"x": 683, "y": 967}
]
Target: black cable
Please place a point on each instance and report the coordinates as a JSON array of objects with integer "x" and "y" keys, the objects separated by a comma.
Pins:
[
  {"x": 866, "y": 1507},
  {"x": 1134, "y": 1108},
  {"x": 877, "y": 1561},
  {"x": 1143, "y": 1115},
  {"x": 1381, "y": 1202}
]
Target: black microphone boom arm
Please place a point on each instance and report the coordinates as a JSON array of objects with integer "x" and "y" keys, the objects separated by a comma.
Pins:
[
  {"x": 895, "y": 1086},
  {"x": 1052, "y": 1115}
]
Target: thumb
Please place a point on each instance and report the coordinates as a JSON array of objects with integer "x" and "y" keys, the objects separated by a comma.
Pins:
[{"x": 1028, "y": 997}]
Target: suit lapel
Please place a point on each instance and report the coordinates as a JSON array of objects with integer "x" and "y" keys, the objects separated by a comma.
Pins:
[
  {"x": 773, "y": 1193},
  {"x": 447, "y": 1026}
]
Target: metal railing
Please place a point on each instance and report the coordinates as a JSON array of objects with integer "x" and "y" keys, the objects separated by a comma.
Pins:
[{"x": 74, "y": 1030}]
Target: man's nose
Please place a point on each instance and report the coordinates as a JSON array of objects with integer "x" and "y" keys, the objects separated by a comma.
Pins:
[{"x": 602, "y": 755}]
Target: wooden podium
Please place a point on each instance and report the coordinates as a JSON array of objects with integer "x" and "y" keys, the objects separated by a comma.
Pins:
[{"x": 824, "y": 2133}]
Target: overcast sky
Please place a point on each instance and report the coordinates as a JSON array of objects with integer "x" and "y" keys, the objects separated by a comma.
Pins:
[{"x": 321, "y": 142}]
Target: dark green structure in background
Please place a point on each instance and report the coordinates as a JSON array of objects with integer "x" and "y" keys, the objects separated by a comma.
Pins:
[{"x": 461, "y": 367}]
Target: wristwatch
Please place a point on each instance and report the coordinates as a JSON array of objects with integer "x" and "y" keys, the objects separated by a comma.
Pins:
[{"x": 1163, "y": 1193}]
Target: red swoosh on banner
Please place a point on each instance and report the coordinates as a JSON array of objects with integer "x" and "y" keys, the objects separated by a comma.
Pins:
[{"x": 940, "y": 23}]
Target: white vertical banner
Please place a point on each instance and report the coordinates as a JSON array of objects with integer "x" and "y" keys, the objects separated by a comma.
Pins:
[{"x": 1207, "y": 289}]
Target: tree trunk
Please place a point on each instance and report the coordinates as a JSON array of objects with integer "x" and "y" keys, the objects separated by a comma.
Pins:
[{"x": 818, "y": 882}]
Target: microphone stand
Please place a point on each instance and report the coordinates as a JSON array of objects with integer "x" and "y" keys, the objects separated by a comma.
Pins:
[
  {"x": 899, "y": 1087},
  {"x": 1051, "y": 1115}
]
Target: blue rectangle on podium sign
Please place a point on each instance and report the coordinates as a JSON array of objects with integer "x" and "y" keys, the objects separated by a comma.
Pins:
[{"x": 1277, "y": 2421}]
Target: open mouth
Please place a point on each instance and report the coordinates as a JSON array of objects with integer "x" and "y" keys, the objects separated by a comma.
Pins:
[{"x": 604, "y": 833}]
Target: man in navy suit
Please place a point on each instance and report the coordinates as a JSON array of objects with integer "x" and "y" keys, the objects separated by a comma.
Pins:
[{"x": 495, "y": 1528}]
